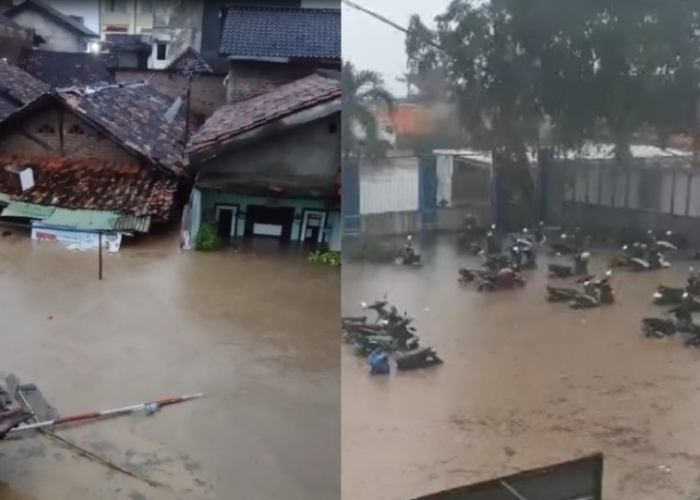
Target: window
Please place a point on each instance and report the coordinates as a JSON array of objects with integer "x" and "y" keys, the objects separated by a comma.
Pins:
[
  {"x": 161, "y": 51},
  {"x": 146, "y": 6},
  {"x": 115, "y": 5},
  {"x": 76, "y": 129},
  {"x": 45, "y": 128}
]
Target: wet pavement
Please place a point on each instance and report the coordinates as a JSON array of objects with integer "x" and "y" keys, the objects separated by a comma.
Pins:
[
  {"x": 256, "y": 331},
  {"x": 525, "y": 384}
]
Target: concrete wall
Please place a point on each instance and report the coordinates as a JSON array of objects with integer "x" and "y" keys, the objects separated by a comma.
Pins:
[
  {"x": 80, "y": 140},
  {"x": 58, "y": 38},
  {"x": 309, "y": 150},
  {"x": 208, "y": 92},
  {"x": 248, "y": 79},
  {"x": 211, "y": 198},
  {"x": 180, "y": 23},
  {"x": 133, "y": 19}
]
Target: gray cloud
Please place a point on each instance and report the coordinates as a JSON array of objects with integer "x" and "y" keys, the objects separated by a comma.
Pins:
[{"x": 371, "y": 44}]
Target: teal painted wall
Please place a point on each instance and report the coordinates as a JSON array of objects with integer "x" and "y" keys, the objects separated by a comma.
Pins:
[{"x": 211, "y": 198}]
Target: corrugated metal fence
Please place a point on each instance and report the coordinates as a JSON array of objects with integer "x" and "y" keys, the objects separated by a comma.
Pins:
[{"x": 656, "y": 194}]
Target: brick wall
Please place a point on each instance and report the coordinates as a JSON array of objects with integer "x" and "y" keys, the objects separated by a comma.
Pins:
[
  {"x": 80, "y": 139},
  {"x": 208, "y": 92},
  {"x": 252, "y": 78}
]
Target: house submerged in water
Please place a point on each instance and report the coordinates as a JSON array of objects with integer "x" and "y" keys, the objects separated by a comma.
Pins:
[
  {"x": 100, "y": 158},
  {"x": 268, "y": 166}
]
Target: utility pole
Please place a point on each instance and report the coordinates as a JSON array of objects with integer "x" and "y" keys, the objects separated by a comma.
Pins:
[{"x": 188, "y": 95}]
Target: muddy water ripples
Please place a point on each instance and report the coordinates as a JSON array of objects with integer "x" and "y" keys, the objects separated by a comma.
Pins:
[
  {"x": 525, "y": 384},
  {"x": 255, "y": 330}
]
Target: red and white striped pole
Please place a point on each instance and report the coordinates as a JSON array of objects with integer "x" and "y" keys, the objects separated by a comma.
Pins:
[{"x": 148, "y": 408}]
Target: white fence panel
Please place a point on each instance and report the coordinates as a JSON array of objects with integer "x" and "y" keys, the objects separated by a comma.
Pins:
[
  {"x": 388, "y": 190},
  {"x": 694, "y": 208},
  {"x": 680, "y": 200}
]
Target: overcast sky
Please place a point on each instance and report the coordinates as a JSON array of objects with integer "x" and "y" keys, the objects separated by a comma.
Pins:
[{"x": 371, "y": 44}]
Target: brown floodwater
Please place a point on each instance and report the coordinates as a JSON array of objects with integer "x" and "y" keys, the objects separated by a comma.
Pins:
[
  {"x": 255, "y": 330},
  {"x": 525, "y": 384}
]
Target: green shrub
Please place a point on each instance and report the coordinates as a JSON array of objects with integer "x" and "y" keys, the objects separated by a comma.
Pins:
[
  {"x": 207, "y": 239},
  {"x": 328, "y": 258}
]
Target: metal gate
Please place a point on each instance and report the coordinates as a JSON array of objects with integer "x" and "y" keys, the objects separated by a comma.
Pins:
[{"x": 580, "y": 479}]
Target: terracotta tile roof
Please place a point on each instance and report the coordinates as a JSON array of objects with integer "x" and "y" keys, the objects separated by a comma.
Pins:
[
  {"x": 63, "y": 69},
  {"x": 281, "y": 32},
  {"x": 93, "y": 184},
  {"x": 189, "y": 62},
  {"x": 18, "y": 84},
  {"x": 55, "y": 14},
  {"x": 244, "y": 116},
  {"x": 133, "y": 114}
]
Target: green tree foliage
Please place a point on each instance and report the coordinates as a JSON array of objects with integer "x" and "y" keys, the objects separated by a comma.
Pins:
[
  {"x": 610, "y": 65},
  {"x": 594, "y": 68},
  {"x": 362, "y": 91}
]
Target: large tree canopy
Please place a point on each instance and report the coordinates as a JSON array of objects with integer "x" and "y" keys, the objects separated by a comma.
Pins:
[
  {"x": 590, "y": 68},
  {"x": 610, "y": 65}
]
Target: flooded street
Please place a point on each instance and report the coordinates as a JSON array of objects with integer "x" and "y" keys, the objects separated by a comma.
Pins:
[
  {"x": 525, "y": 384},
  {"x": 256, "y": 332}
]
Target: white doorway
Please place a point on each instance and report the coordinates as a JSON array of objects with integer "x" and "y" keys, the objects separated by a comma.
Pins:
[
  {"x": 313, "y": 225},
  {"x": 226, "y": 216}
]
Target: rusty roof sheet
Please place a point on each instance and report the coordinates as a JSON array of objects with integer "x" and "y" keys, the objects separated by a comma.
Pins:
[
  {"x": 92, "y": 184},
  {"x": 237, "y": 118},
  {"x": 133, "y": 114},
  {"x": 189, "y": 62},
  {"x": 18, "y": 84}
]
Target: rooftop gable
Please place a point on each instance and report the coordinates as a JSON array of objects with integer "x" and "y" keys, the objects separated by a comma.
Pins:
[
  {"x": 235, "y": 119},
  {"x": 52, "y": 13},
  {"x": 131, "y": 114}
]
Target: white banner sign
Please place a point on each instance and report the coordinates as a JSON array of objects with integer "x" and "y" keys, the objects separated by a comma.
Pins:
[{"x": 78, "y": 240}]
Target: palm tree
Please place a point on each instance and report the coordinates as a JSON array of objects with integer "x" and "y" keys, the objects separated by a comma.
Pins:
[{"x": 363, "y": 91}]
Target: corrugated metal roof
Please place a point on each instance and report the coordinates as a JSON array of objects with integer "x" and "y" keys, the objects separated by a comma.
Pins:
[
  {"x": 27, "y": 210},
  {"x": 97, "y": 220},
  {"x": 88, "y": 220},
  {"x": 132, "y": 223}
]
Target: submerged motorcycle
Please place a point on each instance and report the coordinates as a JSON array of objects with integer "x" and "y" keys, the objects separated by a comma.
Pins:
[
  {"x": 683, "y": 324},
  {"x": 505, "y": 279},
  {"x": 579, "y": 268},
  {"x": 408, "y": 256},
  {"x": 467, "y": 276},
  {"x": 567, "y": 244},
  {"x": 423, "y": 357},
  {"x": 566, "y": 294},
  {"x": 595, "y": 293},
  {"x": 668, "y": 296}
]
